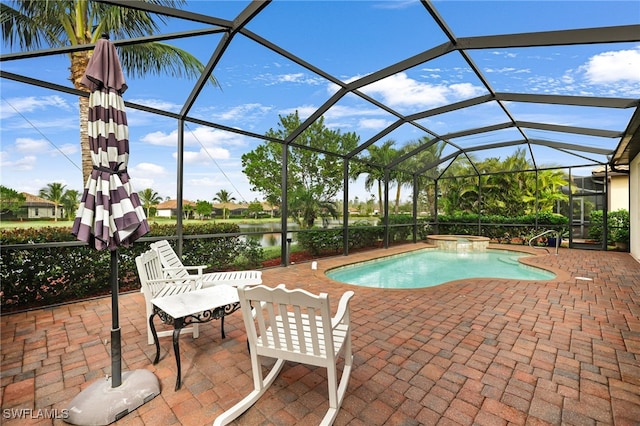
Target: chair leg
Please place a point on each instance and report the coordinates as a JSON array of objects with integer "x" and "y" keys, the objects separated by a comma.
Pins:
[
  {"x": 337, "y": 393},
  {"x": 195, "y": 330},
  {"x": 260, "y": 387},
  {"x": 149, "y": 334}
]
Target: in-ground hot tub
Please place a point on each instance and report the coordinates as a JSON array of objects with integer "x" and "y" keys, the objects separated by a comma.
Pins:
[{"x": 459, "y": 242}]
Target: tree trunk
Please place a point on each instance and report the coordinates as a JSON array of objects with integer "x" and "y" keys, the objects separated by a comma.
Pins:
[
  {"x": 380, "y": 212},
  {"x": 79, "y": 62},
  {"x": 85, "y": 149}
]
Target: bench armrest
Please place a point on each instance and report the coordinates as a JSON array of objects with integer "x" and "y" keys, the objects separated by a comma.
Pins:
[{"x": 342, "y": 315}]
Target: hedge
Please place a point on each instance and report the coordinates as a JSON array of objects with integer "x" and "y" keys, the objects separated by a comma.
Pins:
[{"x": 43, "y": 276}]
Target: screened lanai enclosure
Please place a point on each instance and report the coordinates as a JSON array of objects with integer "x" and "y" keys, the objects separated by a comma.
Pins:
[{"x": 435, "y": 109}]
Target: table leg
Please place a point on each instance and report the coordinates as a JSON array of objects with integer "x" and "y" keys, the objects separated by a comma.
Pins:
[
  {"x": 222, "y": 325},
  {"x": 154, "y": 333},
  {"x": 176, "y": 350}
]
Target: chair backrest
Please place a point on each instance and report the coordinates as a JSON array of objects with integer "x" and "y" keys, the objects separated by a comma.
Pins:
[
  {"x": 170, "y": 260},
  {"x": 149, "y": 269},
  {"x": 289, "y": 324}
]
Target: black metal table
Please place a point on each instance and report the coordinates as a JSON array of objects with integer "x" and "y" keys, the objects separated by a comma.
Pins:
[{"x": 198, "y": 306}]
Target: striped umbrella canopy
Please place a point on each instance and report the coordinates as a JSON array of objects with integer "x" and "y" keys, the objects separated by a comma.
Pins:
[{"x": 110, "y": 213}]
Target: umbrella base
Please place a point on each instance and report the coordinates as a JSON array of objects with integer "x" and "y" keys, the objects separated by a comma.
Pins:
[{"x": 101, "y": 404}]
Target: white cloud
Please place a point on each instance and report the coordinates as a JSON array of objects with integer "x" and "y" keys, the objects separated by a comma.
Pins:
[
  {"x": 373, "y": 123},
  {"x": 151, "y": 175},
  {"x": 69, "y": 149},
  {"x": 613, "y": 67},
  {"x": 466, "y": 90},
  {"x": 160, "y": 104},
  {"x": 295, "y": 78},
  {"x": 205, "y": 156},
  {"x": 243, "y": 112},
  {"x": 148, "y": 169},
  {"x": 13, "y": 106},
  {"x": 504, "y": 54},
  {"x": 304, "y": 111},
  {"x": 31, "y": 145},
  {"x": 212, "y": 139},
  {"x": 25, "y": 163},
  {"x": 399, "y": 91}
]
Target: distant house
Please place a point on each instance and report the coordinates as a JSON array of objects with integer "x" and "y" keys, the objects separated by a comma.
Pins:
[
  {"x": 38, "y": 208},
  {"x": 269, "y": 208},
  {"x": 232, "y": 209},
  {"x": 169, "y": 208}
]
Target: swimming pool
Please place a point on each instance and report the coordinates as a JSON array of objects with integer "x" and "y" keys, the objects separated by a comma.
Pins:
[{"x": 430, "y": 267}]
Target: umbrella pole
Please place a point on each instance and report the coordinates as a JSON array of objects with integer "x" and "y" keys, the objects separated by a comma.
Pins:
[
  {"x": 116, "y": 344},
  {"x": 106, "y": 401}
]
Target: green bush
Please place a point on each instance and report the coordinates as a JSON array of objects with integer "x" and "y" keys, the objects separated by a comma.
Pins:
[
  {"x": 42, "y": 276},
  {"x": 617, "y": 226},
  {"x": 501, "y": 228},
  {"x": 319, "y": 241}
]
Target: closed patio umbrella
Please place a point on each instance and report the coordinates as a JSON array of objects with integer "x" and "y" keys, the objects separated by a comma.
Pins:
[{"x": 110, "y": 215}]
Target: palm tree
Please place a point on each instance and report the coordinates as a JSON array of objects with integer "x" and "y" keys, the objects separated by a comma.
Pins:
[
  {"x": 37, "y": 24},
  {"x": 149, "y": 198},
  {"x": 70, "y": 202},
  {"x": 223, "y": 197},
  {"x": 305, "y": 206},
  {"x": 417, "y": 162},
  {"x": 550, "y": 183},
  {"x": 53, "y": 192},
  {"x": 379, "y": 156}
]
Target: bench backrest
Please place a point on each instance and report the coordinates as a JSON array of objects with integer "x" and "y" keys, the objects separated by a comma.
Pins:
[
  {"x": 150, "y": 269},
  {"x": 289, "y": 324},
  {"x": 174, "y": 268}
]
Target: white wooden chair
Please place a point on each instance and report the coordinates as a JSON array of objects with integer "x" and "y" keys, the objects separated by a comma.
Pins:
[
  {"x": 294, "y": 325},
  {"x": 156, "y": 284},
  {"x": 173, "y": 268}
]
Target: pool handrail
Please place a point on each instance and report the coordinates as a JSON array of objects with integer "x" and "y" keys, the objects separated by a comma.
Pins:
[{"x": 558, "y": 236}]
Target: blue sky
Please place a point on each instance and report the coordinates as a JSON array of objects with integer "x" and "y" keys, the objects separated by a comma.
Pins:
[{"x": 347, "y": 39}]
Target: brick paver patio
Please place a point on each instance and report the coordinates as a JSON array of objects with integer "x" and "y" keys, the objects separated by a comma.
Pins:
[{"x": 473, "y": 352}]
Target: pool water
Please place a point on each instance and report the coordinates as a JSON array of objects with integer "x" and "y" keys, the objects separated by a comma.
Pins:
[{"x": 427, "y": 268}]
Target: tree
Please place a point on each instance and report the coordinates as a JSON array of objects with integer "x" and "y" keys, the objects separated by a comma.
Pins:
[
  {"x": 149, "y": 198},
  {"x": 188, "y": 209},
  {"x": 10, "y": 200},
  {"x": 306, "y": 206},
  {"x": 70, "y": 203},
  {"x": 36, "y": 24},
  {"x": 372, "y": 166},
  {"x": 507, "y": 187},
  {"x": 53, "y": 192},
  {"x": 224, "y": 197},
  {"x": 419, "y": 161},
  {"x": 255, "y": 208},
  {"x": 203, "y": 208},
  {"x": 550, "y": 183},
  {"x": 311, "y": 170}
]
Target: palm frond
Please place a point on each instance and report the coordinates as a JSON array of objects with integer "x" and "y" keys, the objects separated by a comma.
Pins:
[{"x": 159, "y": 58}]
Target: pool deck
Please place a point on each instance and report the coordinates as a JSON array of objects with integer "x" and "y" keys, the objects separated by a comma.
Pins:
[{"x": 471, "y": 352}]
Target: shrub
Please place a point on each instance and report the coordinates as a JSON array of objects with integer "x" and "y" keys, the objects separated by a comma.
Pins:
[
  {"x": 617, "y": 226},
  {"x": 68, "y": 270}
]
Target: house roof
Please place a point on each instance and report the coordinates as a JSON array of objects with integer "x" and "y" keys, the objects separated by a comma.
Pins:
[
  {"x": 36, "y": 201},
  {"x": 173, "y": 204}
]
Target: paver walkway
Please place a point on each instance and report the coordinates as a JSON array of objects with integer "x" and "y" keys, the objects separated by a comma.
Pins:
[{"x": 473, "y": 352}]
